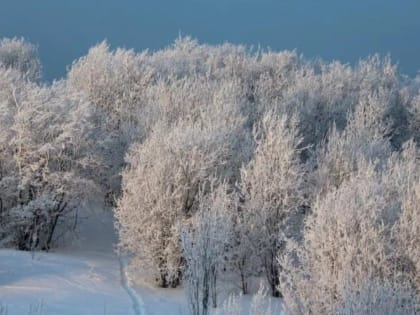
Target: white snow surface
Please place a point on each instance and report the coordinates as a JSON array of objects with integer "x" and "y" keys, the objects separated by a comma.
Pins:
[
  {"x": 86, "y": 278},
  {"x": 158, "y": 301},
  {"x": 83, "y": 279},
  {"x": 62, "y": 284}
]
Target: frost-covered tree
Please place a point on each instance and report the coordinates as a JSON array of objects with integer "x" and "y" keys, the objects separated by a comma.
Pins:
[
  {"x": 204, "y": 240},
  {"x": 377, "y": 297},
  {"x": 343, "y": 242},
  {"x": 240, "y": 255},
  {"x": 364, "y": 137},
  {"x": 360, "y": 233},
  {"x": 160, "y": 187},
  {"x": 113, "y": 81},
  {"x": 273, "y": 186},
  {"x": 188, "y": 112},
  {"x": 198, "y": 132},
  {"x": 20, "y": 55},
  {"x": 414, "y": 110},
  {"x": 113, "y": 84},
  {"x": 43, "y": 155},
  {"x": 359, "y": 191},
  {"x": 403, "y": 179}
]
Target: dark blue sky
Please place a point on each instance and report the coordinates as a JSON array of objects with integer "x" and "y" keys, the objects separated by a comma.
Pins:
[{"x": 332, "y": 29}]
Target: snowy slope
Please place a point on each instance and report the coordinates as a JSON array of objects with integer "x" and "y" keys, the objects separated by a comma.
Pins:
[
  {"x": 83, "y": 279},
  {"x": 63, "y": 284},
  {"x": 86, "y": 278}
]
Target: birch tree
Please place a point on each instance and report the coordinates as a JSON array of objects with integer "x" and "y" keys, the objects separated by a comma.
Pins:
[
  {"x": 204, "y": 240},
  {"x": 273, "y": 186}
]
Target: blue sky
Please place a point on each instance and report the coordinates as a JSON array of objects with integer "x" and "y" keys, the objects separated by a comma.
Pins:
[{"x": 332, "y": 29}]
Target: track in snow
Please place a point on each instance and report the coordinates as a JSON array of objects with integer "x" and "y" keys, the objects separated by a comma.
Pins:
[{"x": 138, "y": 305}]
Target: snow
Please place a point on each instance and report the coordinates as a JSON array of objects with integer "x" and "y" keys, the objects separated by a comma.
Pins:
[
  {"x": 62, "y": 284},
  {"x": 86, "y": 278},
  {"x": 82, "y": 279},
  {"x": 172, "y": 301},
  {"x": 138, "y": 304},
  {"x": 160, "y": 301}
]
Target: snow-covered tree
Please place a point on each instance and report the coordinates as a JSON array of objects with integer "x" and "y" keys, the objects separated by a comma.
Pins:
[
  {"x": 160, "y": 187},
  {"x": 344, "y": 242},
  {"x": 113, "y": 84},
  {"x": 43, "y": 154},
  {"x": 113, "y": 81},
  {"x": 360, "y": 233},
  {"x": 204, "y": 240},
  {"x": 415, "y": 117},
  {"x": 241, "y": 259},
  {"x": 377, "y": 297},
  {"x": 365, "y": 137},
  {"x": 260, "y": 304},
  {"x": 273, "y": 186},
  {"x": 403, "y": 177},
  {"x": 20, "y": 55},
  {"x": 286, "y": 136}
]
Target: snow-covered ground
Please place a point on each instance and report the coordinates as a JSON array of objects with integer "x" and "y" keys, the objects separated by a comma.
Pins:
[
  {"x": 62, "y": 284},
  {"x": 86, "y": 278},
  {"x": 159, "y": 301},
  {"x": 82, "y": 279}
]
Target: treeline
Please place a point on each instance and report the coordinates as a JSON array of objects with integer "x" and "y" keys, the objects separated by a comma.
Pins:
[{"x": 221, "y": 159}]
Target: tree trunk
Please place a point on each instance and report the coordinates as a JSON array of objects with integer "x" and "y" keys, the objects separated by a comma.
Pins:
[
  {"x": 206, "y": 293},
  {"x": 244, "y": 283},
  {"x": 213, "y": 286}
]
